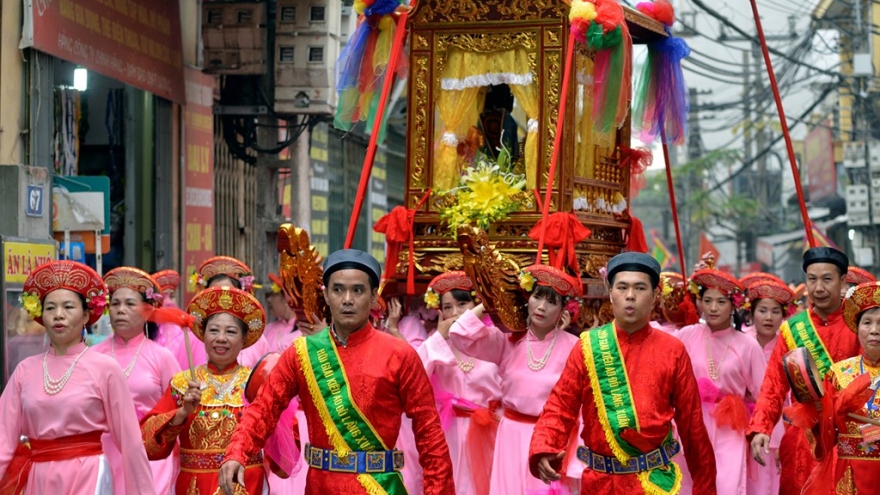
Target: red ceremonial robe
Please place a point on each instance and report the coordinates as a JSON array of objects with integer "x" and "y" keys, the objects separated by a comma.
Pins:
[
  {"x": 387, "y": 380},
  {"x": 795, "y": 453},
  {"x": 663, "y": 388}
]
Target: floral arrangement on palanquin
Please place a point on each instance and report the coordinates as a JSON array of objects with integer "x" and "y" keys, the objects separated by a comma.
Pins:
[{"x": 488, "y": 191}]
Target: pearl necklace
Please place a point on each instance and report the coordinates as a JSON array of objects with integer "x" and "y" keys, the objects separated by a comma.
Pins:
[
  {"x": 465, "y": 365},
  {"x": 128, "y": 369},
  {"x": 715, "y": 372},
  {"x": 538, "y": 365},
  {"x": 52, "y": 386}
]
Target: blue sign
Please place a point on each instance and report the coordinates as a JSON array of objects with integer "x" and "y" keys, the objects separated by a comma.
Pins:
[{"x": 34, "y": 200}]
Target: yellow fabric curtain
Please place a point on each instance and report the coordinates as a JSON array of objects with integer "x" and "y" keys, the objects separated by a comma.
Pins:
[
  {"x": 458, "y": 105},
  {"x": 527, "y": 96}
]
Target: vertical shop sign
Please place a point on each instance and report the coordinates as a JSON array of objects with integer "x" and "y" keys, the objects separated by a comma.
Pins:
[
  {"x": 378, "y": 204},
  {"x": 137, "y": 42},
  {"x": 320, "y": 190},
  {"x": 198, "y": 201}
]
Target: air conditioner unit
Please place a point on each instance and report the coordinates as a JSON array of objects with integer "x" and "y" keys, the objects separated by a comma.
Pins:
[
  {"x": 234, "y": 37},
  {"x": 306, "y": 49},
  {"x": 854, "y": 154}
]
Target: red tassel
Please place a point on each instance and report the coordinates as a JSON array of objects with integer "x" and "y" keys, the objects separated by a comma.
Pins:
[
  {"x": 174, "y": 316},
  {"x": 637, "y": 241},
  {"x": 690, "y": 311},
  {"x": 731, "y": 411}
]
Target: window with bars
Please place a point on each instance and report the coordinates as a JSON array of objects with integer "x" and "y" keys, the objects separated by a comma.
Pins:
[
  {"x": 316, "y": 54},
  {"x": 317, "y": 13},
  {"x": 285, "y": 54},
  {"x": 288, "y": 14},
  {"x": 215, "y": 17}
]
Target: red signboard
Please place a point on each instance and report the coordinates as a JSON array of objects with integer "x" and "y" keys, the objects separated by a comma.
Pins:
[
  {"x": 134, "y": 41},
  {"x": 819, "y": 161},
  {"x": 198, "y": 192}
]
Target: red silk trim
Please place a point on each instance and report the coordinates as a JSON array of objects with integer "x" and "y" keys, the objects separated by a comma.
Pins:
[
  {"x": 636, "y": 241},
  {"x": 397, "y": 225},
  {"x": 563, "y": 232}
]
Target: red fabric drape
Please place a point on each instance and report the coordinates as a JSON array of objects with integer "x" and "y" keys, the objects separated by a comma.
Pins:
[
  {"x": 636, "y": 241},
  {"x": 397, "y": 225},
  {"x": 564, "y": 231}
]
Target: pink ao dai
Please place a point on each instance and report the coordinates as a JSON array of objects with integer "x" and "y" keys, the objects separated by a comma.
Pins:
[
  {"x": 479, "y": 385},
  {"x": 740, "y": 364},
  {"x": 153, "y": 368},
  {"x": 522, "y": 390},
  {"x": 96, "y": 397},
  {"x": 764, "y": 480}
]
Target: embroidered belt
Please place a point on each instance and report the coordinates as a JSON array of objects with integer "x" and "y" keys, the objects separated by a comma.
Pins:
[
  {"x": 854, "y": 447},
  {"x": 356, "y": 462},
  {"x": 520, "y": 417},
  {"x": 209, "y": 460},
  {"x": 657, "y": 458}
]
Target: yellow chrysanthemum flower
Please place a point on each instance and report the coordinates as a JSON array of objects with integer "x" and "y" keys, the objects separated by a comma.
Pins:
[
  {"x": 693, "y": 288},
  {"x": 526, "y": 281},
  {"x": 432, "y": 299},
  {"x": 665, "y": 288},
  {"x": 31, "y": 303}
]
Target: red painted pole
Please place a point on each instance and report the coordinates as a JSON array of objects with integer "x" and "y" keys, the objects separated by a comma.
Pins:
[
  {"x": 557, "y": 143},
  {"x": 399, "y": 37},
  {"x": 671, "y": 187},
  {"x": 794, "y": 169}
]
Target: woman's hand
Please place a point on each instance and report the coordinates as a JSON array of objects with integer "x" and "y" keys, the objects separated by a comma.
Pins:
[
  {"x": 395, "y": 312},
  {"x": 191, "y": 400},
  {"x": 444, "y": 324},
  {"x": 479, "y": 310},
  {"x": 564, "y": 319}
]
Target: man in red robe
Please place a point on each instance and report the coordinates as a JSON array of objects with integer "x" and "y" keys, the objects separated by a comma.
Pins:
[
  {"x": 630, "y": 381},
  {"x": 832, "y": 341},
  {"x": 354, "y": 383}
]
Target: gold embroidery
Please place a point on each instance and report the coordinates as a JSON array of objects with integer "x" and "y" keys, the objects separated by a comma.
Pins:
[
  {"x": 210, "y": 395},
  {"x": 846, "y": 485},
  {"x": 193, "y": 488},
  {"x": 239, "y": 490},
  {"x": 211, "y": 431}
]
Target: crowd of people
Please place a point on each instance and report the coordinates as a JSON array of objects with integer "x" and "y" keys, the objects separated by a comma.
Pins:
[{"x": 687, "y": 391}]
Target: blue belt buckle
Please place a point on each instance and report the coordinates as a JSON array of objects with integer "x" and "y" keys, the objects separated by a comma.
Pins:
[
  {"x": 316, "y": 457},
  {"x": 375, "y": 462},
  {"x": 343, "y": 464}
]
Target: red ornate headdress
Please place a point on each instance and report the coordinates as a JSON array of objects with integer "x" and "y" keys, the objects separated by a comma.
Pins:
[
  {"x": 710, "y": 278},
  {"x": 224, "y": 265},
  {"x": 238, "y": 303},
  {"x": 277, "y": 285},
  {"x": 570, "y": 288},
  {"x": 558, "y": 280},
  {"x": 135, "y": 279},
  {"x": 167, "y": 279},
  {"x": 859, "y": 299},
  {"x": 773, "y": 289},
  {"x": 756, "y": 277},
  {"x": 68, "y": 275},
  {"x": 673, "y": 292},
  {"x": 444, "y": 283},
  {"x": 859, "y": 276}
]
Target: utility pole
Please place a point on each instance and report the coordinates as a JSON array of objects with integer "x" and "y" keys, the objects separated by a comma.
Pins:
[
  {"x": 692, "y": 181},
  {"x": 862, "y": 70}
]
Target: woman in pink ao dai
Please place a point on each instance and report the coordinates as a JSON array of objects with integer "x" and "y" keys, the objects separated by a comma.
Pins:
[
  {"x": 529, "y": 364},
  {"x": 468, "y": 390},
  {"x": 729, "y": 367},
  {"x": 148, "y": 367}
]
